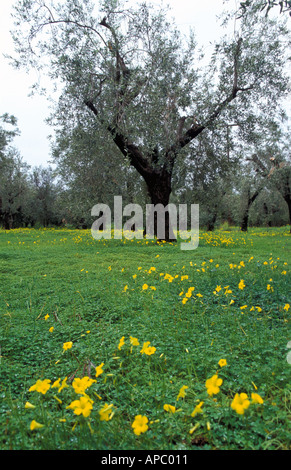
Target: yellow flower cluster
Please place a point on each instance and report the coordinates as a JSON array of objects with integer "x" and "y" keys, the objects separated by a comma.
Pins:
[
  {"x": 241, "y": 402},
  {"x": 146, "y": 348},
  {"x": 80, "y": 385},
  {"x": 83, "y": 405},
  {"x": 187, "y": 295}
]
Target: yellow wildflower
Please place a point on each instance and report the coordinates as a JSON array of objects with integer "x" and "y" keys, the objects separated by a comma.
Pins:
[
  {"x": 134, "y": 341},
  {"x": 256, "y": 398},
  {"x": 35, "y": 425},
  {"x": 82, "y": 406},
  {"x": 182, "y": 393},
  {"x": 41, "y": 386},
  {"x": 254, "y": 385},
  {"x": 121, "y": 343},
  {"x": 99, "y": 369},
  {"x": 240, "y": 403},
  {"x": 58, "y": 400},
  {"x": 222, "y": 362},
  {"x": 170, "y": 408},
  {"x": 28, "y": 406},
  {"x": 213, "y": 385},
  {"x": 146, "y": 349},
  {"x": 149, "y": 350},
  {"x": 197, "y": 409},
  {"x": 194, "y": 428},
  {"x": 67, "y": 345},
  {"x": 106, "y": 412},
  {"x": 140, "y": 424},
  {"x": 80, "y": 385},
  {"x": 145, "y": 346},
  {"x": 60, "y": 386},
  {"x": 241, "y": 284}
]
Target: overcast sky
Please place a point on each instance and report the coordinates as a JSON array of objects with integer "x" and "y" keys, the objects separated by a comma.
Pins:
[{"x": 31, "y": 112}]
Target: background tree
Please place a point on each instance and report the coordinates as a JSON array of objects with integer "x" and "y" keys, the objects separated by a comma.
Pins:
[
  {"x": 269, "y": 210},
  {"x": 43, "y": 205},
  {"x": 278, "y": 169},
  {"x": 91, "y": 172},
  {"x": 13, "y": 180},
  {"x": 13, "y": 184},
  {"x": 281, "y": 178}
]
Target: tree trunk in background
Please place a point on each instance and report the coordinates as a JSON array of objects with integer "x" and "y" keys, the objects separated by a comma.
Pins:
[
  {"x": 288, "y": 201},
  {"x": 245, "y": 217},
  {"x": 7, "y": 221},
  {"x": 211, "y": 222},
  {"x": 245, "y": 221}
]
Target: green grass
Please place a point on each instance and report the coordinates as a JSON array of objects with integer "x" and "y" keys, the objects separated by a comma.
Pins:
[{"x": 66, "y": 280}]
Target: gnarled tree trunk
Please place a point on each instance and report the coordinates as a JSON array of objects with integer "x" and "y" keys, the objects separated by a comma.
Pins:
[{"x": 159, "y": 190}]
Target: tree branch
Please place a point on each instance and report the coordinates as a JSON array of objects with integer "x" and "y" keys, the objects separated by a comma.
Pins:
[
  {"x": 76, "y": 23},
  {"x": 119, "y": 60},
  {"x": 196, "y": 128},
  {"x": 131, "y": 151}
]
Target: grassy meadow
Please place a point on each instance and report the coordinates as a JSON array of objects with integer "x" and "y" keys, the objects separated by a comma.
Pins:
[{"x": 119, "y": 344}]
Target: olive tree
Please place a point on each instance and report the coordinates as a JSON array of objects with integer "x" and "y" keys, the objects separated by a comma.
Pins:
[
  {"x": 133, "y": 72},
  {"x": 276, "y": 169},
  {"x": 13, "y": 181}
]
